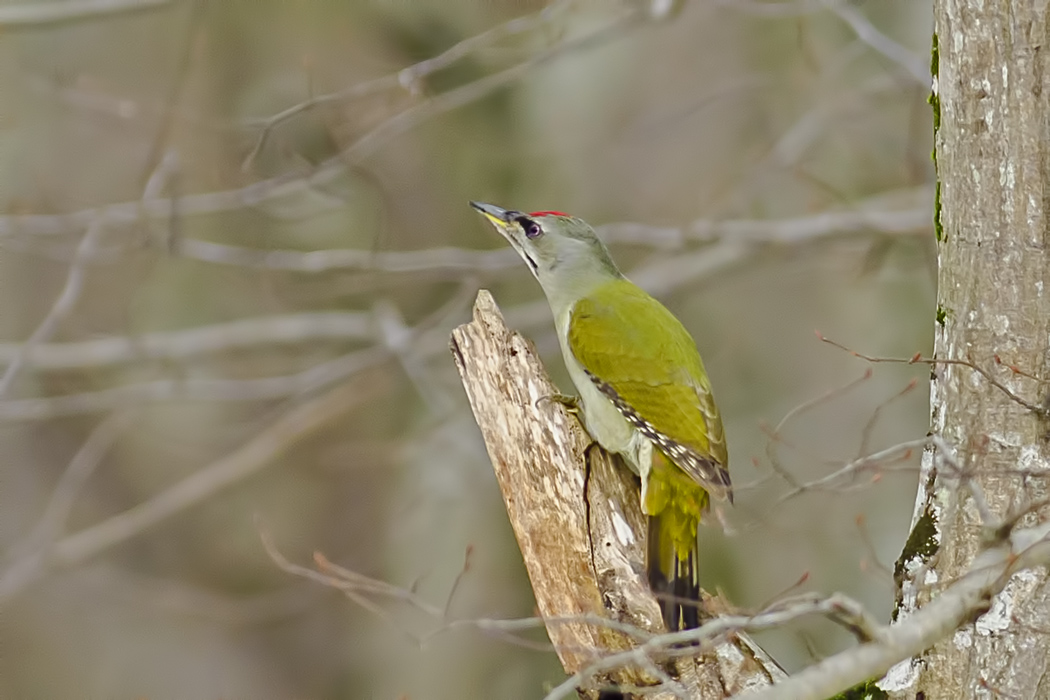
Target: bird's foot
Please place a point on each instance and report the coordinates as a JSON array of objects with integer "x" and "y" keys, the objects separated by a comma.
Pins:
[{"x": 571, "y": 403}]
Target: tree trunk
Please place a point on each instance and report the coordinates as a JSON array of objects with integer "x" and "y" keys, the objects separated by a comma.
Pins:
[{"x": 992, "y": 122}]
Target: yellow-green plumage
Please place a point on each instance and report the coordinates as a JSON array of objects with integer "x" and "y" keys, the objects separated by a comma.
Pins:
[{"x": 624, "y": 337}]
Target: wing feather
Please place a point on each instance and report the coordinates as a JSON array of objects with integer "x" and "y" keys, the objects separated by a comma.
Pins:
[{"x": 642, "y": 358}]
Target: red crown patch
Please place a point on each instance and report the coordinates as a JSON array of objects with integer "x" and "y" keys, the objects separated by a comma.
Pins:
[{"x": 547, "y": 213}]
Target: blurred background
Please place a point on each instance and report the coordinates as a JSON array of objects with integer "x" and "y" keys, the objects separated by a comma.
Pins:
[{"x": 234, "y": 239}]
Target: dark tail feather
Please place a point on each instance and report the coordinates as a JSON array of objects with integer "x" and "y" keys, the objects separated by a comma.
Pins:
[{"x": 675, "y": 582}]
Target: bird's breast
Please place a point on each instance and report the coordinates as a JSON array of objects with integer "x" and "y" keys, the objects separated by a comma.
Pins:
[{"x": 601, "y": 418}]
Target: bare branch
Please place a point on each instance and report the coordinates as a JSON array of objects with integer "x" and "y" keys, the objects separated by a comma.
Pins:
[
  {"x": 195, "y": 389},
  {"x": 874, "y": 216},
  {"x": 451, "y": 260},
  {"x": 797, "y": 230},
  {"x": 456, "y": 261},
  {"x": 44, "y": 14},
  {"x": 913, "y": 66},
  {"x": 837, "y": 607},
  {"x": 357, "y": 587},
  {"x": 419, "y": 113},
  {"x": 65, "y": 302},
  {"x": 776, "y": 10},
  {"x": 184, "y": 344}
]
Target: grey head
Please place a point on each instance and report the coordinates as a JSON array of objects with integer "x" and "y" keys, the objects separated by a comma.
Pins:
[{"x": 562, "y": 251}]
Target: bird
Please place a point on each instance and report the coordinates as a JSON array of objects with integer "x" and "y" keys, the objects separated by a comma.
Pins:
[{"x": 643, "y": 392}]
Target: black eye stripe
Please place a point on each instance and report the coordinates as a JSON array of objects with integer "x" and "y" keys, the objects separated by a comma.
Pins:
[{"x": 530, "y": 227}]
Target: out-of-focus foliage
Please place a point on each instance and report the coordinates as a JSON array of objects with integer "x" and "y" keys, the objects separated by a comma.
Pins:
[{"x": 749, "y": 110}]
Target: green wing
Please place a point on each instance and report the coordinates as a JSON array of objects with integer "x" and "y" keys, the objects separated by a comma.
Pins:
[{"x": 643, "y": 359}]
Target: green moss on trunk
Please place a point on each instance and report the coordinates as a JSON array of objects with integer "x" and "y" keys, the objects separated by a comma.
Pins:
[{"x": 935, "y": 103}]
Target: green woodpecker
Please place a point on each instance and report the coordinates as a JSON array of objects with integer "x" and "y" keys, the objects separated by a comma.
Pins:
[{"x": 643, "y": 390}]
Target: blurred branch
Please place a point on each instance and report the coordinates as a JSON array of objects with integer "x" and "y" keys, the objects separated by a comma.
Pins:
[
  {"x": 863, "y": 218},
  {"x": 791, "y": 8},
  {"x": 407, "y": 344},
  {"x": 811, "y": 128},
  {"x": 256, "y": 194},
  {"x": 184, "y": 344},
  {"x": 913, "y": 65},
  {"x": 775, "y": 437},
  {"x": 421, "y": 112},
  {"x": 195, "y": 389},
  {"x": 880, "y": 410},
  {"x": 451, "y": 260},
  {"x": 261, "y": 450},
  {"x": 410, "y": 77},
  {"x": 73, "y": 479},
  {"x": 65, "y": 302},
  {"x": 43, "y": 14},
  {"x": 156, "y": 172},
  {"x": 579, "y": 525}
]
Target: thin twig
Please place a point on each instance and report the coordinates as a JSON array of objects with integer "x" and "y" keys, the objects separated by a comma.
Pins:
[
  {"x": 158, "y": 149},
  {"x": 869, "y": 427},
  {"x": 80, "y": 468},
  {"x": 406, "y": 78},
  {"x": 65, "y": 302},
  {"x": 899, "y": 451},
  {"x": 946, "y": 455},
  {"x": 775, "y": 435},
  {"x": 1041, "y": 411}
]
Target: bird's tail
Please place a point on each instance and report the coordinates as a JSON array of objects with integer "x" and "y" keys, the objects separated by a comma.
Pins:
[
  {"x": 674, "y": 504},
  {"x": 673, "y": 573}
]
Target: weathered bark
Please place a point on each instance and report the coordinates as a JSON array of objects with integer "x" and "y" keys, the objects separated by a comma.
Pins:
[
  {"x": 578, "y": 523},
  {"x": 992, "y": 121}
]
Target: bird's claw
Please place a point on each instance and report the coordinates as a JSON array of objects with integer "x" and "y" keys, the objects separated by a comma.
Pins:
[{"x": 571, "y": 403}]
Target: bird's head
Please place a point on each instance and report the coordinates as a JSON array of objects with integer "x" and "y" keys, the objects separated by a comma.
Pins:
[{"x": 560, "y": 250}]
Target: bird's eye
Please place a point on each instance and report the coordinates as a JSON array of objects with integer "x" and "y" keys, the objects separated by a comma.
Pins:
[{"x": 530, "y": 227}]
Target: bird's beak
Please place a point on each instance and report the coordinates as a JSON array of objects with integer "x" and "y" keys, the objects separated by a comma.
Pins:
[
  {"x": 495, "y": 214},
  {"x": 502, "y": 219}
]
